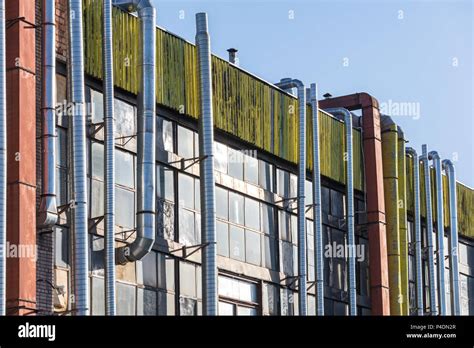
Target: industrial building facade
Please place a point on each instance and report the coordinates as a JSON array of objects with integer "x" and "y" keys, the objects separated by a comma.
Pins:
[{"x": 255, "y": 169}]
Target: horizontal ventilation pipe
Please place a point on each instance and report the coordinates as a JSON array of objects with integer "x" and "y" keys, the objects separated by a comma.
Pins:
[
  {"x": 453, "y": 238},
  {"x": 80, "y": 221},
  {"x": 317, "y": 218},
  {"x": 48, "y": 214},
  {"x": 418, "y": 264},
  {"x": 350, "y": 206},
  {"x": 109, "y": 157},
  {"x": 145, "y": 233},
  {"x": 3, "y": 161},
  {"x": 433, "y": 155},
  {"x": 206, "y": 150},
  {"x": 287, "y": 84},
  {"x": 429, "y": 230}
]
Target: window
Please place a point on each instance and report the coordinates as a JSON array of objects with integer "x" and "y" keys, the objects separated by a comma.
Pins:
[
  {"x": 237, "y": 297},
  {"x": 165, "y": 183},
  {"x": 265, "y": 175},
  {"x": 236, "y": 208},
  {"x": 252, "y": 213},
  {"x": 268, "y": 220},
  {"x": 164, "y": 130},
  {"x": 97, "y": 158},
  {"x": 220, "y": 157},
  {"x": 97, "y": 102},
  {"x": 253, "y": 247},
  {"x": 222, "y": 203},
  {"x": 236, "y": 160},
  {"x": 283, "y": 183},
  {"x": 149, "y": 269},
  {"x": 124, "y": 208},
  {"x": 251, "y": 169},
  {"x": 126, "y": 298},
  {"x": 237, "y": 243},
  {"x": 337, "y": 204},
  {"x": 186, "y": 227},
  {"x": 165, "y": 272},
  {"x": 222, "y": 230},
  {"x": 186, "y": 191},
  {"x": 185, "y": 142},
  {"x": 124, "y": 173},
  {"x": 190, "y": 288},
  {"x": 125, "y": 116}
]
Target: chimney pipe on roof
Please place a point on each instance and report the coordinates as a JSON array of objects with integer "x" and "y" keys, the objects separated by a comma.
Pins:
[{"x": 233, "y": 56}]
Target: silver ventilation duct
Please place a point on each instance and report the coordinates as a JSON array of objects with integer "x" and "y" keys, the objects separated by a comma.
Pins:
[
  {"x": 418, "y": 264},
  {"x": 429, "y": 230},
  {"x": 206, "y": 151},
  {"x": 350, "y": 207},
  {"x": 48, "y": 214},
  {"x": 80, "y": 223},
  {"x": 233, "y": 56},
  {"x": 145, "y": 235},
  {"x": 433, "y": 155},
  {"x": 109, "y": 157},
  {"x": 3, "y": 161},
  {"x": 286, "y": 84},
  {"x": 453, "y": 240},
  {"x": 317, "y": 218}
]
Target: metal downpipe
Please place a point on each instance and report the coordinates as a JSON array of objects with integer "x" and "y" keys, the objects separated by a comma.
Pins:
[
  {"x": 206, "y": 168},
  {"x": 48, "y": 214},
  {"x": 448, "y": 166},
  {"x": 109, "y": 156},
  {"x": 429, "y": 230},
  {"x": 145, "y": 233},
  {"x": 3, "y": 161},
  {"x": 81, "y": 261},
  {"x": 286, "y": 84},
  {"x": 317, "y": 218},
  {"x": 433, "y": 155},
  {"x": 418, "y": 265},
  {"x": 350, "y": 207}
]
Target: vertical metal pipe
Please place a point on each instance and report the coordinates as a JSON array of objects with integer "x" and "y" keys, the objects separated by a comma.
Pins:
[
  {"x": 48, "y": 215},
  {"x": 206, "y": 151},
  {"x": 350, "y": 207},
  {"x": 288, "y": 83},
  {"x": 453, "y": 237},
  {"x": 81, "y": 262},
  {"x": 3, "y": 161},
  {"x": 317, "y": 218},
  {"x": 433, "y": 155},
  {"x": 146, "y": 156},
  {"x": 418, "y": 265},
  {"x": 429, "y": 230},
  {"x": 109, "y": 157}
]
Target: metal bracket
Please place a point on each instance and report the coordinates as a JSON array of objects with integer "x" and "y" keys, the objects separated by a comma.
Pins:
[
  {"x": 193, "y": 160},
  {"x": 10, "y": 22},
  {"x": 63, "y": 208},
  {"x": 127, "y": 231},
  {"x": 129, "y": 137},
  {"x": 293, "y": 280},
  {"x": 96, "y": 128},
  {"x": 185, "y": 248},
  {"x": 96, "y": 220}
]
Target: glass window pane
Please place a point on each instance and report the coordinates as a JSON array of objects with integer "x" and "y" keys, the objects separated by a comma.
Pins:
[
  {"x": 187, "y": 279},
  {"x": 149, "y": 269},
  {"x": 268, "y": 220},
  {"x": 126, "y": 298},
  {"x": 308, "y": 192},
  {"x": 197, "y": 195},
  {"x": 149, "y": 302},
  {"x": 251, "y": 170},
  {"x": 97, "y": 198},
  {"x": 221, "y": 157},
  {"x": 253, "y": 247},
  {"x": 124, "y": 208},
  {"x": 61, "y": 185},
  {"x": 187, "y": 306},
  {"x": 236, "y": 208},
  {"x": 247, "y": 291},
  {"x": 165, "y": 272},
  {"x": 265, "y": 176},
  {"x": 185, "y": 142},
  {"x": 222, "y": 238},
  {"x": 61, "y": 147},
  {"x": 98, "y": 161},
  {"x": 222, "y": 203},
  {"x": 284, "y": 224},
  {"x": 237, "y": 243},
  {"x": 164, "y": 130},
  {"x": 246, "y": 311},
  {"x": 226, "y": 308},
  {"x": 97, "y": 297},
  {"x": 270, "y": 252},
  {"x": 125, "y": 118},
  {"x": 165, "y": 219},
  {"x": 252, "y": 213},
  {"x": 287, "y": 258},
  {"x": 186, "y": 191},
  {"x": 337, "y": 204},
  {"x": 283, "y": 183},
  {"x": 293, "y": 185},
  {"x": 97, "y": 101},
  {"x": 165, "y": 183},
  {"x": 186, "y": 227},
  {"x": 124, "y": 169},
  {"x": 236, "y": 167},
  {"x": 62, "y": 246}
]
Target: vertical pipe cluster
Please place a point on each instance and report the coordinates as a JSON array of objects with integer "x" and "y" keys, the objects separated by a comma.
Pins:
[
  {"x": 351, "y": 247},
  {"x": 109, "y": 157},
  {"x": 286, "y": 84},
  {"x": 429, "y": 230},
  {"x": 206, "y": 150},
  {"x": 317, "y": 218},
  {"x": 146, "y": 157},
  {"x": 418, "y": 265},
  {"x": 3, "y": 161},
  {"x": 453, "y": 237},
  {"x": 433, "y": 155},
  {"x": 81, "y": 278},
  {"x": 48, "y": 207}
]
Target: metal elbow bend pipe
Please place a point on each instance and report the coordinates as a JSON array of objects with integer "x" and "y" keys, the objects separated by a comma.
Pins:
[
  {"x": 350, "y": 207},
  {"x": 433, "y": 155},
  {"x": 453, "y": 240},
  {"x": 145, "y": 230},
  {"x": 418, "y": 264},
  {"x": 48, "y": 214},
  {"x": 429, "y": 230},
  {"x": 288, "y": 83}
]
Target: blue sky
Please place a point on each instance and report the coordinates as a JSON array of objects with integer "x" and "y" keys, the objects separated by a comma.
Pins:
[{"x": 405, "y": 53}]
